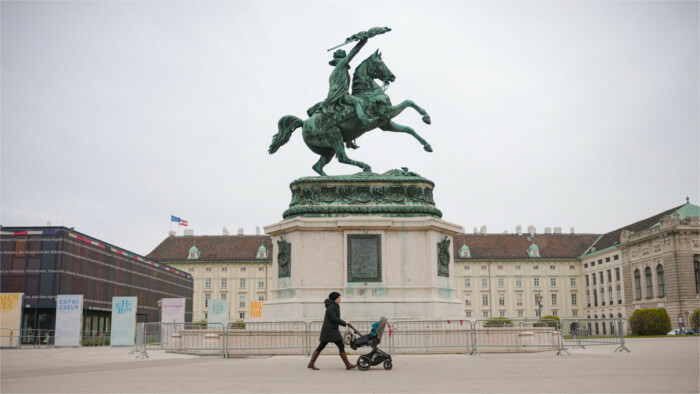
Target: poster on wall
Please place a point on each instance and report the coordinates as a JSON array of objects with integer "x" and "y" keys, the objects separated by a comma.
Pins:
[
  {"x": 123, "y": 321},
  {"x": 10, "y": 318},
  {"x": 69, "y": 314},
  {"x": 172, "y": 311},
  {"x": 218, "y": 312}
]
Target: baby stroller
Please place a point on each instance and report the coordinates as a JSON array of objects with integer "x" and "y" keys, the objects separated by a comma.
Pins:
[{"x": 374, "y": 338}]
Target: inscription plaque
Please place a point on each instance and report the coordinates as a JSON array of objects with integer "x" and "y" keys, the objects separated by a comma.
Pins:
[{"x": 364, "y": 258}]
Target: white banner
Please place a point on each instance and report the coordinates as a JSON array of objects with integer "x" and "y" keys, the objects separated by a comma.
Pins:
[
  {"x": 173, "y": 310},
  {"x": 69, "y": 314},
  {"x": 218, "y": 312},
  {"x": 10, "y": 318},
  {"x": 123, "y": 321}
]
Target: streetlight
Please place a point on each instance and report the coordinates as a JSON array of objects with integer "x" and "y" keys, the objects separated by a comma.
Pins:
[{"x": 538, "y": 298}]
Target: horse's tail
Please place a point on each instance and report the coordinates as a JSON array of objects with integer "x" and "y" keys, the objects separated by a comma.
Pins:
[{"x": 286, "y": 126}]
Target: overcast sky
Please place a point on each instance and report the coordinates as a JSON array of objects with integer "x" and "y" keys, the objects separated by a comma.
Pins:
[{"x": 116, "y": 115}]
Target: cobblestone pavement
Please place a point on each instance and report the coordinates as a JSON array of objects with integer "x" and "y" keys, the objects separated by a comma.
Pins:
[{"x": 661, "y": 365}]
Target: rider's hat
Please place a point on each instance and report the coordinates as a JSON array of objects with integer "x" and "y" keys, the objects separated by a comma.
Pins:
[{"x": 337, "y": 55}]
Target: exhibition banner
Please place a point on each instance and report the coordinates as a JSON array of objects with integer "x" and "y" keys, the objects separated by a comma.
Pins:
[
  {"x": 172, "y": 311},
  {"x": 123, "y": 321},
  {"x": 10, "y": 318},
  {"x": 218, "y": 312},
  {"x": 69, "y": 314}
]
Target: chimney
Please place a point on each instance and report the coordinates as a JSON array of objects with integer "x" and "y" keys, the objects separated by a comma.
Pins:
[
  {"x": 189, "y": 232},
  {"x": 257, "y": 230},
  {"x": 547, "y": 230},
  {"x": 519, "y": 229},
  {"x": 531, "y": 229},
  {"x": 572, "y": 231},
  {"x": 48, "y": 223},
  {"x": 171, "y": 233},
  {"x": 224, "y": 231},
  {"x": 557, "y": 230},
  {"x": 476, "y": 231},
  {"x": 483, "y": 230},
  {"x": 240, "y": 231}
]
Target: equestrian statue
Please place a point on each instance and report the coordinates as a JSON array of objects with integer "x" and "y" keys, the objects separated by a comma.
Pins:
[{"x": 335, "y": 123}]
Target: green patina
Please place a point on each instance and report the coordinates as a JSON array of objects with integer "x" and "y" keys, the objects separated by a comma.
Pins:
[{"x": 335, "y": 123}]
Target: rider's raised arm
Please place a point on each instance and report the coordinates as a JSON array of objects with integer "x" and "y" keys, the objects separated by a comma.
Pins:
[{"x": 347, "y": 59}]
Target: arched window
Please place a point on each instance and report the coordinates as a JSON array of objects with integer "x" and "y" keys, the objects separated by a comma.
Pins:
[
  {"x": 660, "y": 278},
  {"x": 619, "y": 294},
  {"x": 650, "y": 286},
  {"x": 637, "y": 285},
  {"x": 595, "y": 298},
  {"x": 610, "y": 295},
  {"x": 612, "y": 324},
  {"x": 588, "y": 298}
]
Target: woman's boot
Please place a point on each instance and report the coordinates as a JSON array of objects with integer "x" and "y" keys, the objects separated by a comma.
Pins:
[
  {"x": 314, "y": 356},
  {"x": 347, "y": 363}
]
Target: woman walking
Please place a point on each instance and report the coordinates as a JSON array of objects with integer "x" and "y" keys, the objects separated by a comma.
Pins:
[{"x": 330, "y": 331}]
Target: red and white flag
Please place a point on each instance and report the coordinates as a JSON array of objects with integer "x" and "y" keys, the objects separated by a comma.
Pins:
[{"x": 183, "y": 222}]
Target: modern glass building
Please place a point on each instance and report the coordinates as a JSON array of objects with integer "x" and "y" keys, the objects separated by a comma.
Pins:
[{"x": 43, "y": 262}]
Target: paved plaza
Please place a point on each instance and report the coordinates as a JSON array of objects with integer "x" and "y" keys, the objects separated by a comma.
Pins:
[{"x": 654, "y": 365}]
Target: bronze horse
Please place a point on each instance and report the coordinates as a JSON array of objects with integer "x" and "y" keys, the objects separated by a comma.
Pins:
[{"x": 327, "y": 135}]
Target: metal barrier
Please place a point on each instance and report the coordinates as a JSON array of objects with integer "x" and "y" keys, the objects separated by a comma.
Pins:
[
  {"x": 10, "y": 338},
  {"x": 509, "y": 334},
  {"x": 580, "y": 333},
  {"x": 95, "y": 338},
  {"x": 363, "y": 326},
  {"x": 289, "y": 337},
  {"x": 432, "y": 336},
  {"x": 37, "y": 338},
  {"x": 199, "y": 338}
]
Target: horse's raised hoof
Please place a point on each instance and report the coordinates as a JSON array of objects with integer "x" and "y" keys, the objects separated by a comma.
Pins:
[
  {"x": 426, "y": 119},
  {"x": 428, "y": 148}
]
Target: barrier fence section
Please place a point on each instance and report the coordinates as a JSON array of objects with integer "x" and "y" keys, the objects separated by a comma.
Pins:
[
  {"x": 507, "y": 335},
  {"x": 363, "y": 326},
  {"x": 10, "y": 338},
  {"x": 288, "y": 337},
  {"x": 579, "y": 333},
  {"x": 37, "y": 338},
  {"x": 200, "y": 338},
  {"x": 95, "y": 338},
  {"x": 431, "y": 336}
]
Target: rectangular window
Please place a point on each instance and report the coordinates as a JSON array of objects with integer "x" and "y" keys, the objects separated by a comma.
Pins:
[
  {"x": 555, "y": 312},
  {"x": 208, "y": 269},
  {"x": 552, "y": 267},
  {"x": 501, "y": 299},
  {"x": 520, "y": 313},
  {"x": 500, "y": 267},
  {"x": 483, "y": 267},
  {"x": 466, "y": 268},
  {"x": 485, "y": 299},
  {"x": 593, "y": 263},
  {"x": 552, "y": 281},
  {"x": 518, "y": 282},
  {"x": 261, "y": 269},
  {"x": 261, "y": 284},
  {"x": 468, "y": 299},
  {"x": 484, "y": 282},
  {"x": 607, "y": 259},
  {"x": 572, "y": 267},
  {"x": 207, "y": 297},
  {"x": 536, "y": 281},
  {"x": 241, "y": 315},
  {"x": 573, "y": 299},
  {"x": 609, "y": 276},
  {"x": 502, "y": 313},
  {"x": 554, "y": 299},
  {"x": 242, "y": 269},
  {"x": 223, "y": 283},
  {"x": 261, "y": 297},
  {"x": 573, "y": 281},
  {"x": 585, "y": 265},
  {"x": 519, "y": 299},
  {"x": 536, "y": 267},
  {"x": 224, "y": 296},
  {"x": 241, "y": 301},
  {"x": 224, "y": 269},
  {"x": 617, "y": 274},
  {"x": 616, "y": 257},
  {"x": 468, "y": 313},
  {"x": 517, "y": 267},
  {"x": 600, "y": 261},
  {"x": 242, "y": 283},
  {"x": 207, "y": 283},
  {"x": 602, "y": 277},
  {"x": 593, "y": 276},
  {"x": 588, "y": 283},
  {"x": 467, "y": 282},
  {"x": 574, "y": 312},
  {"x": 500, "y": 282},
  {"x": 486, "y": 313}
]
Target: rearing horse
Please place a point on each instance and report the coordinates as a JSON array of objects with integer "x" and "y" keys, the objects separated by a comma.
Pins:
[{"x": 326, "y": 135}]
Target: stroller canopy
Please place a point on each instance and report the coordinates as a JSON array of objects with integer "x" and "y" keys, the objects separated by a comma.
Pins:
[{"x": 380, "y": 328}]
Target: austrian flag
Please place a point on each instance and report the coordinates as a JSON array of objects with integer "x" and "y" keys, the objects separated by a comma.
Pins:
[
  {"x": 176, "y": 219},
  {"x": 183, "y": 222}
]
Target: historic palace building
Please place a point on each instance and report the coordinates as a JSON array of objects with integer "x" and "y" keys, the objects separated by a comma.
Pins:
[{"x": 224, "y": 267}]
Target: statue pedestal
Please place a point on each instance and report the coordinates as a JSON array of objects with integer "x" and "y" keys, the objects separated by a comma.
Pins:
[{"x": 392, "y": 258}]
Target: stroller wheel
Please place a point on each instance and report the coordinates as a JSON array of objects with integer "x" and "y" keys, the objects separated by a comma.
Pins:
[
  {"x": 363, "y": 363},
  {"x": 387, "y": 365}
]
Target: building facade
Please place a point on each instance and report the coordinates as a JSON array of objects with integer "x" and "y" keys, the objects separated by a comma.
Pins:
[
  {"x": 226, "y": 267},
  {"x": 43, "y": 262}
]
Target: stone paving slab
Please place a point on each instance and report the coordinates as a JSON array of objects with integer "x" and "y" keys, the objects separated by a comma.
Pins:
[{"x": 656, "y": 365}]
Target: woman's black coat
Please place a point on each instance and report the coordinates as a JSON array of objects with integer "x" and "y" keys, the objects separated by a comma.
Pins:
[{"x": 329, "y": 331}]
